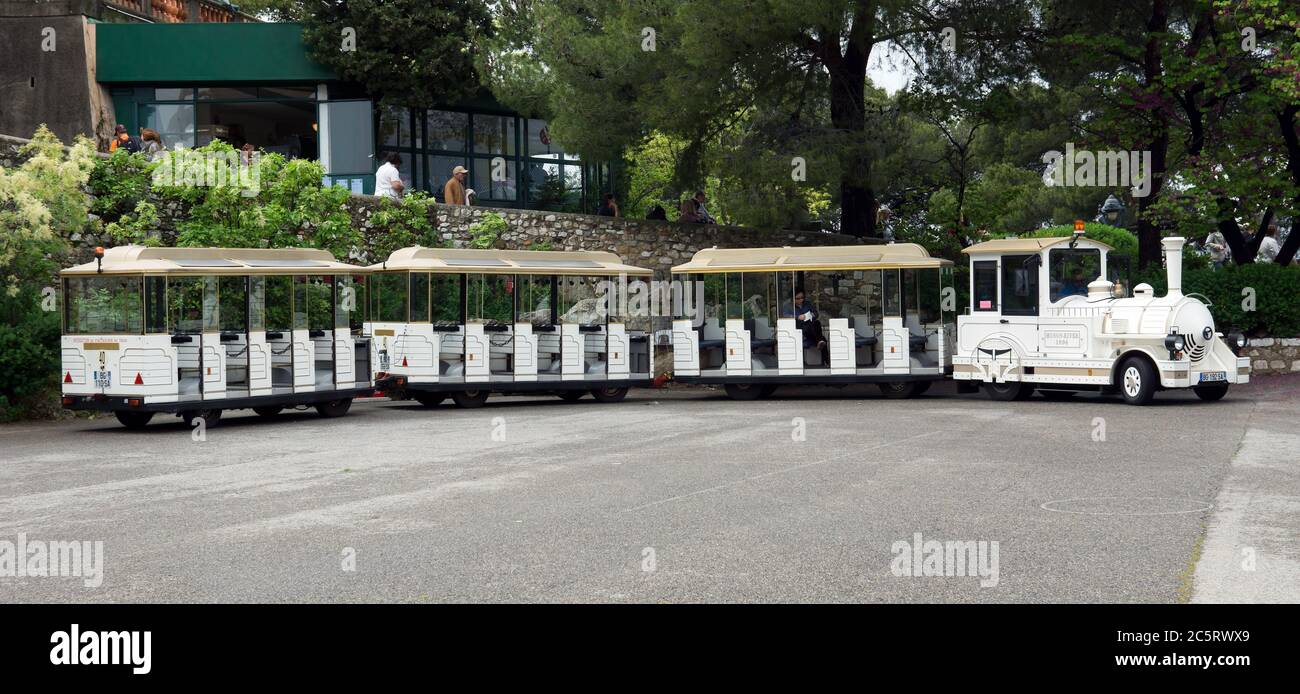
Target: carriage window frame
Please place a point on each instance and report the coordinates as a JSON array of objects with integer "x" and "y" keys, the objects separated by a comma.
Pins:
[
  {"x": 129, "y": 315},
  {"x": 529, "y": 290},
  {"x": 447, "y": 299},
  {"x": 1058, "y": 258},
  {"x": 984, "y": 285},
  {"x": 489, "y": 298}
]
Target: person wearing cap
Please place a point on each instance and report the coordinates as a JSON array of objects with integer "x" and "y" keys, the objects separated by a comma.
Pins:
[
  {"x": 123, "y": 140},
  {"x": 454, "y": 192}
]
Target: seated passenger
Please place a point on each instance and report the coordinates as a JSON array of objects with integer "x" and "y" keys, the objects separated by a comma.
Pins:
[
  {"x": 1075, "y": 285},
  {"x": 806, "y": 319}
]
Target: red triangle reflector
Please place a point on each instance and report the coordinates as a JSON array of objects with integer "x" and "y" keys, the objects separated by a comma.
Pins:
[
  {"x": 67, "y": 377},
  {"x": 403, "y": 361},
  {"x": 139, "y": 381}
]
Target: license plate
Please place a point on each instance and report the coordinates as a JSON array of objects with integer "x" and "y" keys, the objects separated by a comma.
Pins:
[
  {"x": 383, "y": 360},
  {"x": 1212, "y": 376},
  {"x": 103, "y": 379}
]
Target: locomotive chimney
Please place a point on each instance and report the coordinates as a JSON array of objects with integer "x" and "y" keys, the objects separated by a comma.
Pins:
[{"x": 1174, "y": 263}]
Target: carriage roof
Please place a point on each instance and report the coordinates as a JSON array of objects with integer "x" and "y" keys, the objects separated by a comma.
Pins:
[
  {"x": 811, "y": 258},
  {"x": 1029, "y": 245},
  {"x": 215, "y": 261},
  {"x": 489, "y": 261}
]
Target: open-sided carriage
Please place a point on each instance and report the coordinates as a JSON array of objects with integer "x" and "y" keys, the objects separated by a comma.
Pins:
[
  {"x": 196, "y": 331},
  {"x": 465, "y": 323},
  {"x": 829, "y": 315}
]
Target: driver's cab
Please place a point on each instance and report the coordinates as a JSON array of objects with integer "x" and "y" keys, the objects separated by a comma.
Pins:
[{"x": 1020, "y": 288}]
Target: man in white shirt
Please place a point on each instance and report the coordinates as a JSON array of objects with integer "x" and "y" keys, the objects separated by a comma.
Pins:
[
  {"x": 388, "y": 180},
  {"x": 1269, "y": 247}
]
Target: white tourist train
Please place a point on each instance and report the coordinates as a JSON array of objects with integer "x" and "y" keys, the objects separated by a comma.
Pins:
[
  {"x": 1051, "y": 314},
  {"x": 195, "y": 331},
  {"x": 468, "y": 322}
]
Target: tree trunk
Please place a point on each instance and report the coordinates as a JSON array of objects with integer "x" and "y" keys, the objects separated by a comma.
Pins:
[
  {"x": 1149, "y": 251},
  {"x": 848, "y": 115}
]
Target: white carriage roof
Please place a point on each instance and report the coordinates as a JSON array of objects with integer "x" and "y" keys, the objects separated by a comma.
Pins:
[
  {"x": 811, "y": 258},
  {"x": 490, "y": 261},
  {"x": 1029, "y": 245},
  {"x": 215, "y": 261}
]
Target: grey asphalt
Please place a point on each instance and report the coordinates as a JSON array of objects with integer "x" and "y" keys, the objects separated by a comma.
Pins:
[{"x": 679, "y": 495}]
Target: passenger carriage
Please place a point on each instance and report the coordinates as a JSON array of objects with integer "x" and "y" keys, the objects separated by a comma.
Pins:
[
  {"x": 1053, "y": 314},
  {"x": 468, "y": 322},
  {"x": 880, "y": 310},
  {"x": 196, "y": 331}
]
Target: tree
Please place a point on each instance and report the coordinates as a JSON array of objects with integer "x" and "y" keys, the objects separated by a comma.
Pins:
[
  {"x": 610, "y": 74},
  {"x": 406, "y": 52}
]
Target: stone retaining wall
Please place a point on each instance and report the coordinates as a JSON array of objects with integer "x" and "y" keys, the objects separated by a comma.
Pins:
[{"x": 1269, "y": 355}]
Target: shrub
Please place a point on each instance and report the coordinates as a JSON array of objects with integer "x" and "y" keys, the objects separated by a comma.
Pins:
[
  {"x": 403, "y": 224},
  {"x": 119, "y": 183},
  {"x": 485, "y": 232}
]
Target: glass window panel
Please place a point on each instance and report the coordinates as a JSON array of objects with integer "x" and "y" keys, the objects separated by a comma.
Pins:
[
  {"x": 489, "y": 299},
  {"x": 540, "y": 143},
  {"x": 395, "y": 126},
  {"x": 1019, "y": 285},
  {"x": 103, "y": 304},
  {"x": 447, "y": 304},
  {"x": 227, "y": 92},
  {"x": 350, "y": 142},
  {"x": 759, "y": 292},
  {"x": 174, "y": 122},
  {"x": 256, "y": 303},
  {"x": 345, "y": 301},
  {"x": 419, "y": 297},
  {"x": 289, "y": 92},
  {"x": 300, "y": 302},
  {"x": 155, "y": 293},
  {"x": 286, "y": 128},
  {"x": 892, "y": 299},
  {"x": 535, "y": 300},
  {"x": 391, "y": 288},
  {"x": 359, "y": 312},
  {"x": 579, "y": 300},
  {"x": 928, "y": 291},
  {"x": 185, "y": 303},
  {"x": 554, "y": 187},
  {"x": 320, "y": 302},
  {"x": 438, "y": 170},
  {"x": 735, "y": 297},
  {"x": 715, "y": 295},
  {"x": 494, "y": 134},
  {"x": 986, "y": 286},
  {"x": 233, "y": 297},
  {"x": 447, "y": 130},
  {"x": 279, "y": 303},
  {"x": 173, "y": 94},
  {"x": 495, "y": 181}
]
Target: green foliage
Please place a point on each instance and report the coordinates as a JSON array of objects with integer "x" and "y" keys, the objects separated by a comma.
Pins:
[
  {"x": 1277, "y": 304},
  {"x": 139, "y": 227},
  {"x": 42, "y": 206},
  {"x": 487, "y": 230},
  {"x": 406, "y": 223},
  {"x": 119, "y": 183},
  {"x": 408, "y": 52}
]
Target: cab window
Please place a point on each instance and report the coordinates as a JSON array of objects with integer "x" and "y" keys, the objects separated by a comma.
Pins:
[
  {"x": 1020, "y": 285},
  {"x": 985, "y": 294},
  {"x": 1071, "y": 269}
]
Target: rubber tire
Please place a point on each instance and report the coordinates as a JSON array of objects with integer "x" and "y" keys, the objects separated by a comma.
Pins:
[
  {"x": 210, "y": 417},
  {"x": 429, "y": 399},
  {"x": 1211, "y": 393},
  {"x": 1057, "y": 395},
  {"x": 470, "y": 398},
  {"x": 269, "y": 411},
  {"x": 1008, "y": 391},
  {"x": 571, "y": 395},
  {"x": 898, "y": 390},
  {"x": 333, "y": 408},
  {"x": 767, "y": 391},
  {"x": 133, "y": 420},
  {"x": 743, "y": 391},
  {"x": 1143, "y": 386},
  {"x": 609, "y": 394}
]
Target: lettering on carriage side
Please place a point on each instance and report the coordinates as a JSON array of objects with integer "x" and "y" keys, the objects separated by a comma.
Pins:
[
  {"x": 930, "y": 558},
  {"x": 1063, "y": 339},
  {"x": 25, "y": 558},
  {"x": 76, "y": 647}
]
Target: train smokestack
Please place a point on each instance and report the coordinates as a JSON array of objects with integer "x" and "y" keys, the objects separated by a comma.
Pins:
[{"x": 1174, "y": 263}]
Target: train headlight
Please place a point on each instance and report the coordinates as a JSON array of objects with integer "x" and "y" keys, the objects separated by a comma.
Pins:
[
  {"x": 1237, "y": 341},
  {"x": 1175, "y": 343}
]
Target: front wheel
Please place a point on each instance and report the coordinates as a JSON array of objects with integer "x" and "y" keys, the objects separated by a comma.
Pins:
[
  {"x": 1008, "y": 390},
  {"x": 766, "y": 391},
  {"x": 609, "y": 394},
  {"x": 470, "y": 398},
  {"x": 743, "y": 391},
  {"x": 133, "y": 420},
  {"x": 333, "y": 408},
  {"x": 1211, "y": 393},
  {"x": 900, "y": 389},
  {"x": 1137, "y": 381}
]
